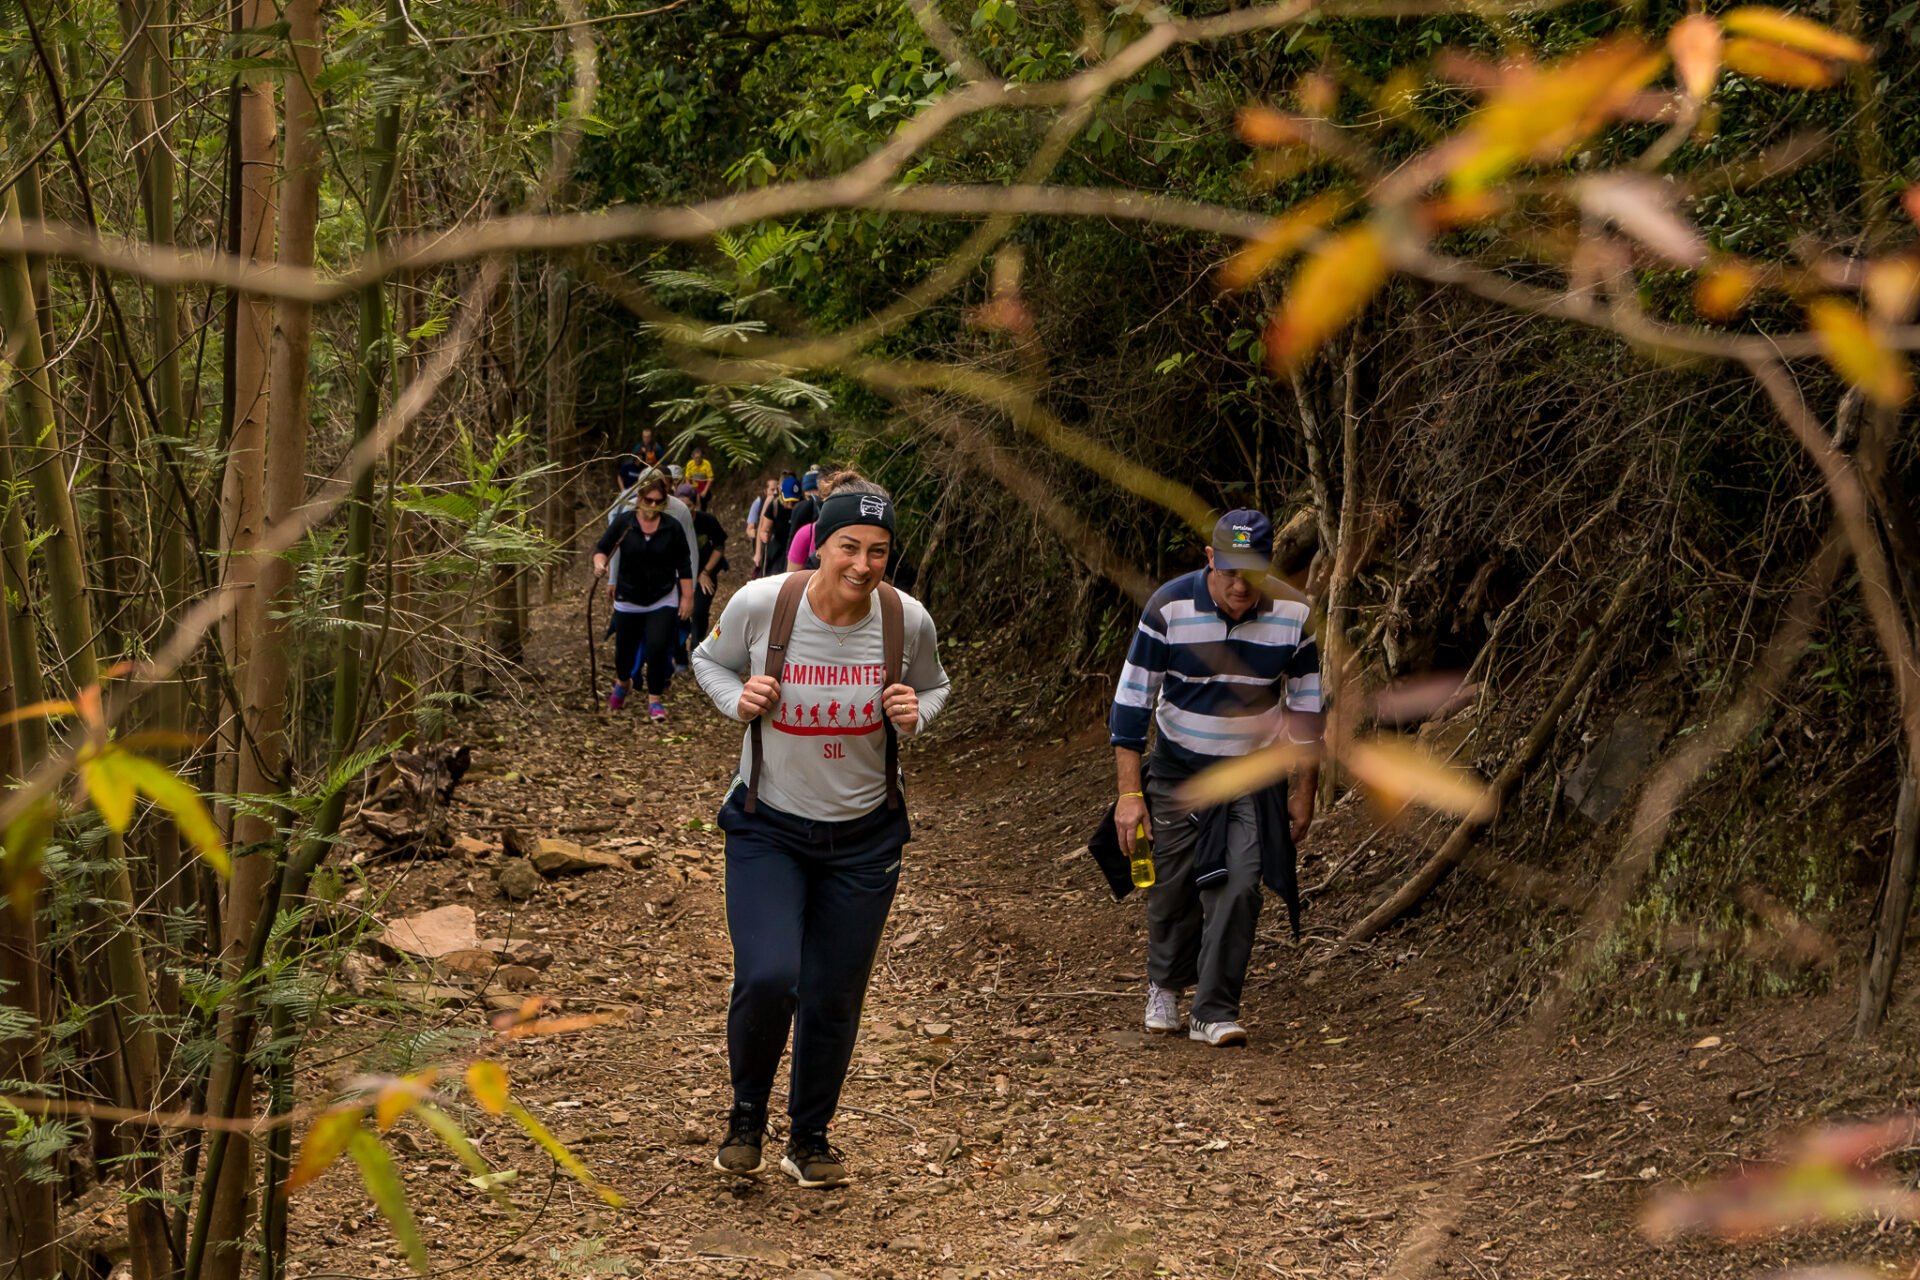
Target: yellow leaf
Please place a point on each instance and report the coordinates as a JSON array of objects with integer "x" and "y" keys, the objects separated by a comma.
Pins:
[
  {"x": 1777, "y": 65},
  {"x": 382, "y": 1181},
  {"x": 111, "y": 788},
  {"x": 49, "y": 709},
  {"x": 1694, "y": 43},
  {"x": 400, "y": 1097},
  {"x": 21, "y": 873},
  {"x": 1326, "y": 292},
  {"x": 1265, "y": 127},
  {"x": 176, "y": 795},
  {"x": 566, "y": 1159},
  {"x": 1794, "y": 32},
  {"x": 1858, "y": 354},
  {"x": 1318, "y": 94},
  {"x": 325, "y": 1142},
  {"x": 1281, "y": 238},
  {"x": 560, "y": 1026},
  {"x": 1892, "y": 287},
  {"x": 487, "y": 1082},
  {"x": 1244, "y": 775},
  {"x": 1722, "y": 293},
  {"x": 1540, "y": 113},
  {"x": 1407, "y": 774}
]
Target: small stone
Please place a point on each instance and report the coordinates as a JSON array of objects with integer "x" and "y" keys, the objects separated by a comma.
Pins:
[
  {"x": 431, "y": 934},
  {"x": 476, "y": 964},
  {"x": 517, "y": 977},
  {"x": 936, "y": 1030},
  {"x": 518, "y": 880},
  {"x": 474, "y": 848},
  {"x": 519, "y": 951},
  {"x": 728, "y": 1243},
  {"x": 552, "y": 857},
  {"x": 909, "y": 1244}
]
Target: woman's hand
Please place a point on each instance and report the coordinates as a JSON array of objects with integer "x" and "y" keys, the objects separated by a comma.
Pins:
[
  {"x": 706, "y": 582},
  {"x": 599, "y": 564},
  {"x": 902, "y": 706},
  {"x": 686, "y": 599},
  {"x": 757, "y": 697}
]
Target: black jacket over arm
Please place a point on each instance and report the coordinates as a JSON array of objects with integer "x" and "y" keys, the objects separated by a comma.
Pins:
[{"x": 650, "y": 564}]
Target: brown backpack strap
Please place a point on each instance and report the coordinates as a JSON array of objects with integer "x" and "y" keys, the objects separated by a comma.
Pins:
[
  {"x": 893, "y": 644},
  {"x": 786, "y": 607}
]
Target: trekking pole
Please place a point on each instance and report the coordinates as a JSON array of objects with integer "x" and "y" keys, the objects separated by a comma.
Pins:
[{"x": 593, "y": 651}]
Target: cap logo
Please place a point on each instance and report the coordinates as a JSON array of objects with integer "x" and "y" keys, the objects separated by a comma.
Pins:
[
  {"x": 873, "y": 506},
  {"x": 1242, "y": 536}
]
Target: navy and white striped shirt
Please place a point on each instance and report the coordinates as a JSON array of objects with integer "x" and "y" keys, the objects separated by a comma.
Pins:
[{"x": 1215, "y": 688}]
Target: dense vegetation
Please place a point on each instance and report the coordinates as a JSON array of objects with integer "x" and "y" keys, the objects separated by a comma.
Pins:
[{"x": 1589, "y": 412}]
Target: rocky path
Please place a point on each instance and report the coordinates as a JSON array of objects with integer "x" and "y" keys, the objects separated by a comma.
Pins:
[{"x": 1005, "y": 1115}]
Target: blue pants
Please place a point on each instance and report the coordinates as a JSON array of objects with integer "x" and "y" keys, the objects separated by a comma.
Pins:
[{"x": 806, "y": 903}]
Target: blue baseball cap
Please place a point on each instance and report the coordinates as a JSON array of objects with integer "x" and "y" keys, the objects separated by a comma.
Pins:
[
  {"x": 810, "y": 481},
  {"x": 1243, "y": 539},
  {"x": 789, "y": 489}
]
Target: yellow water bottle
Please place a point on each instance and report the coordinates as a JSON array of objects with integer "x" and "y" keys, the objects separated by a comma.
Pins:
[{"x": 1142, "y": 861}]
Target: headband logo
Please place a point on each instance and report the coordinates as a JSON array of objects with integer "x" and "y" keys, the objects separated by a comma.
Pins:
[{"x": 873, "y": 506}]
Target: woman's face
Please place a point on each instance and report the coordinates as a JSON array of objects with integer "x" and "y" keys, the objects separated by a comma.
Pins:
[
  {"x": 652, "y": 500},
  {"x": 853, "y": 561}
]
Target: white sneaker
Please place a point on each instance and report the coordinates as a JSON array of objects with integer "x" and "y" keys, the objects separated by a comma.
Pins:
[
  {"x": 1218, "y": 1034},
  {"x": 1163, "y": 1010}
]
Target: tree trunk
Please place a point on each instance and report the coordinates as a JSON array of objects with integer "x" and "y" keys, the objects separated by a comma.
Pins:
[
  {"x": 242, "y": 525},
  {"x": 1893, "y": 910},
  {"x": 562, "y": 388},
  {"x": 43, "y": 459}
]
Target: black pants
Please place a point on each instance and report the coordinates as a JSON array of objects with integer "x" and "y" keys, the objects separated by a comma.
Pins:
[
  {"x": 806, "y": 903},
  {"x": 702, "y": 612},
  {"x": 646, "y": 638}
]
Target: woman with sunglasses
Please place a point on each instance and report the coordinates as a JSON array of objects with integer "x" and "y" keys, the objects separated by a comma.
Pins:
[{"x": 652, "y": 593}]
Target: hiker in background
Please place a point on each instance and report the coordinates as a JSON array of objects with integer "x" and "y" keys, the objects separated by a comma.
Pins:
[
  {"x": 700, "y": 476},
  {"x": 757, "y": 529},
  {"x": 639, "y": 459},
  {"x": 780, "y": 531},
  {"x": 829, "y": 668},
  {"x": 1219, "y": 669},
  {"x": 710, "y": 559},
  {"x": 653, "y": 591},
  {"x": 806, "y": 512}
]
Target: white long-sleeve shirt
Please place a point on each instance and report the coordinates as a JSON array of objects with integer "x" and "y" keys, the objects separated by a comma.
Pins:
[{"x": 825, "y": 744}]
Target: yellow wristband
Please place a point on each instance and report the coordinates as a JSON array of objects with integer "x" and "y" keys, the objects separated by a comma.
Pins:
[{"x": 1126, "y": 795}]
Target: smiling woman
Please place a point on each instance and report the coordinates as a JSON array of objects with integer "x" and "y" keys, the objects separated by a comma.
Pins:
[{"x": 829, "y": 667}]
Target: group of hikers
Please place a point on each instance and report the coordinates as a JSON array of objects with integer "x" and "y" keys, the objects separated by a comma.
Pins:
[{"x": 829, "y": 664}]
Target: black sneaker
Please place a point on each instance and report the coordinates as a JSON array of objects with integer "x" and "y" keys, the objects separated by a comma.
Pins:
[
  {"x": 740, "y": 1150},
  {"x": 812, "y": 1161}
]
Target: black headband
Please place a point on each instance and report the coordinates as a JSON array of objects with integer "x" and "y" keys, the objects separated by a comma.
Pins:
[{"x": 844, "y": 509}]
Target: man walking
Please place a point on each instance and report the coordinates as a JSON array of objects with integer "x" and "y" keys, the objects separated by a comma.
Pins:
[{"x": 1220, "y": 668}]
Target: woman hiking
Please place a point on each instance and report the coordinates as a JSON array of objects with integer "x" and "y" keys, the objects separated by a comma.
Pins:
[
  {"x": 652, "y": 593},
  {"x": 815, "y": 820}
]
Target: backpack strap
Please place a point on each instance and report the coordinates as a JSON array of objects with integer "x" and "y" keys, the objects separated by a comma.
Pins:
[
  {"x": 893, "y": 643},
  {"x": 786, "y": 607}
]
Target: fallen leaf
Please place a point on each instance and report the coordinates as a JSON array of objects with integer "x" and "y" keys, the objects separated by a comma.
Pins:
[{"x": 1707, "y": 1042}]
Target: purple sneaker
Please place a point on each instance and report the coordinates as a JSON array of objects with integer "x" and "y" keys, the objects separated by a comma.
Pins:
[
  {"x": 656, "y": 711},
  {"x": 616, "y": 699}
]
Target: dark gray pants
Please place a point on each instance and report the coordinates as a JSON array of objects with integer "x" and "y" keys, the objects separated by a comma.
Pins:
[{"x": 1202, "y": 938}]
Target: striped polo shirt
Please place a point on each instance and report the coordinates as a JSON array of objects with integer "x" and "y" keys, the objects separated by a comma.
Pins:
[{"x": 1216, "y": 688}]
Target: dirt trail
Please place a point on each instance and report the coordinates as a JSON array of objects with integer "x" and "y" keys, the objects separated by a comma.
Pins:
[{"x": 1005, "y": 1114}]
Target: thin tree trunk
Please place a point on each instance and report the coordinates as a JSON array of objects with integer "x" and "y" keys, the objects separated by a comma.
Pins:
[
  {"x": 150, "y": 94},
  {"x": 242, "y": 525},
  {"x": 1893, "y": 910},
  {"x": 562, "y": 390},
  {"x": 42, "y": 456}
]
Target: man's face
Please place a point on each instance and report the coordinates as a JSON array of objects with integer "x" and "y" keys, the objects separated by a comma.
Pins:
[{"x": 1237, "y": 590}]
